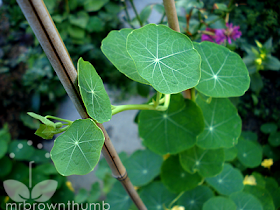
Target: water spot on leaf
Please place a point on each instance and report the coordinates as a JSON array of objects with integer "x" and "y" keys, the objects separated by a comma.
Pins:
[{"x": 20, "y": 146}]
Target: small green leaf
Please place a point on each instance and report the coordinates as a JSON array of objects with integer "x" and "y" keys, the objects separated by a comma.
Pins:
[
  {"x": 262, "y": 195},
  {"x": 175, "y": 178},
  {"x": 42, "y": 119},
  {"x": 269, "y": 127},
  {"x": 271, "y": 152},
  {"x": 230, "y": 180},
  {"x": 274, "y": 139},
  {"x": 93, "y": 93},
  {"x": 80, "y": 19},
  {"x": 219, "y": 203},
  {"x": 256, "y": 82},
  {"x": 45, "y": 131},
  {"x": 40, "y": 156},
  {"x": 94, "y": 193},
  {"x": 146, "y": 169},
  {"x": 165, "y": 58},
  {"x": 173, "y": 130},
  {"x": 223, "y": 73},
  {"x": 93, "y": 6},
  {"x": 21, "y": 150},
  {"x": 81, "y": 196},
  {"x": 95, "y": 24},
  {"x": 145, "y": 13},
  {"x": 77, "y": 151},
  {"x": 249, "y": 153},
  {"x": 46, "y": 168},
  {"x": 3, "y": 147},
  {"x": 207, "y": 163},
  {"x": 230, "y": 153},
  {"x": 245, "y": 201},
  {"x": 195, "y": 198},
  {"x": 222, "y": 124},
  {"x": 156, "y": 196},
  {"x": 114, "y": 48},
  {"x": 118, "y": 198}
]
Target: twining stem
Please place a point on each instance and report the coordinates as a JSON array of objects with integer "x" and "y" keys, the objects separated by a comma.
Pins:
[
  {"x": 69, "y": 122},
  {"x": 164, "y": 107},
  {"x": 193, "y": 94},
  {"x": 179, "y": 196},
  {"x": 136, "y": 13}
]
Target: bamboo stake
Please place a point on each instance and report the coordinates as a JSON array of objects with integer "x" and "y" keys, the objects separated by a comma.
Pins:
[
  {"x": 43, "y": 27},
  {"x": 172, "y": 19}
]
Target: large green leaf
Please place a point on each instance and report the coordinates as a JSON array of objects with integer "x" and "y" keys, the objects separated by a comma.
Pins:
[
  {"x": 195, "y": 198},
  {"x": 174, "y": 130},
  {"x": 93, "y": 93},
  {"x": 228, "y": 181},
  {"x": 207, "y": 163},
  {"x": 262, "y": 195},
  {"x": 223, "y": 73},
  {"x": 219, "y": 203},
  {"x": 77, "y": 151},
  {"x": 245, "y": 201},
  {"x": 143, "y": 166},
  {"x": 156, "y": 196},
  {"x": 165, "y": 58},
  {"x": 175, "y": 178},
  {"x": 222, "y": 124},
  {"x": 249, "y": 153},
  {"x": 114, "y": 47}
]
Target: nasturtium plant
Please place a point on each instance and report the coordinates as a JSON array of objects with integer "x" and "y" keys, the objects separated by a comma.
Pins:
[{"x": 187, "y": 140}]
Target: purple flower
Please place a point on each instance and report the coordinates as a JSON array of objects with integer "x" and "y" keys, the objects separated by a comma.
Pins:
[{"x": 221, "y": 35}]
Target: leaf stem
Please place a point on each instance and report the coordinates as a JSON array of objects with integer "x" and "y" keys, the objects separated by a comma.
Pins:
[
  {"x": 151, "y": 106},
  {"x": 193, "y": 94},
  {"x": 157, "y": 99},
  {"x": 136, "y": 13},
  {"x": 172, "y": 202},
  {"x": 59, "y": 119}
]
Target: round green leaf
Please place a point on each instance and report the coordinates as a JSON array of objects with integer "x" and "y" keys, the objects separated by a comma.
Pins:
[
  {"x": 228, "y": 181},
  {"x": 245, "y": 201},
  {"x": 114, "y": 48},
  {"x": 262, "y": 195},
  {"x": 165, "y": 58},
  {"x": 259, "y": 179},
  {"x": 271, "y": 152},
  {"x": 195, "y": 198},
  {"x": 230, "y": 153},
  {"x": 223, "y": 73},
  {"x": 118, "y": 198},
  {"x": 93, "y": 93},
  {"x": 20, "y": 150},
  {"x": 92, "y": 6},
  {"x": 6, "y": 166},
  {"x": 77, "y": 151},
  {"x": 156, "y": 196},
  {"x": 268, "y": 128},
  {"x": 175, "y": 178},
  {"x": 40, "y": 156},
  {"x": 219, "y": 203},
  {"x": 222, "y": 124},
  {"x": 274, "y": 139},
  {"x": 174, "y": 130},
  {"x": 207, "y": 163},
  {"x": 249, "y": 153},
  {"x": 143, "y": 166},
  {"x": 46, "y": 168},
  {"x": 248, "y": 135}
]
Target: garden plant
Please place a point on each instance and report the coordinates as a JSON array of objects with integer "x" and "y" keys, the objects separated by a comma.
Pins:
[{"x": 194, "y": 151}]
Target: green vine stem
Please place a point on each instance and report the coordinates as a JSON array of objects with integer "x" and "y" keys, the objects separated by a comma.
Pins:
[
  {"x": 127, "y": 15},
  {"x": 164, "y": 107},
  {"x": 193, "y": 94},
  {"x": 69, "y": 122},
  {"x": 177, "y": 198},
  {"x": 136, "y": 13}
]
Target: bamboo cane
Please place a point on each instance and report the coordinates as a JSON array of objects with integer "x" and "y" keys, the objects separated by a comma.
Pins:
[
  {"x": 43, "y": 27},
  {"x": 172, "y": 19}
]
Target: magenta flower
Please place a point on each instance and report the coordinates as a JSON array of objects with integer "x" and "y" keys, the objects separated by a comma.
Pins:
[{"x": 221, "y": 35}]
